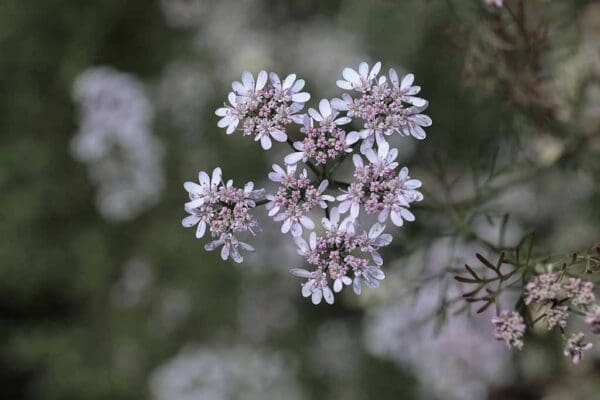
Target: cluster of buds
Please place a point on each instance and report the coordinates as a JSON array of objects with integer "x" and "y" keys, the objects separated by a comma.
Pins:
[
  {"x": 266, "y": 109},
  {"x": 509, "y": 327},
  {"x": 558, "y": 296}
]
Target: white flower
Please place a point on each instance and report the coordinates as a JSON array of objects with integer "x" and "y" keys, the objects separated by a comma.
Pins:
[
  {"x": 316, "y": 285},
  {"x": 224, "y": 210},
  {"x": 199, "y": 193},
  {"x": 230, "y": 114},
  {"x": 322, "y": 143},
  {"x": 290, "y": 89},
  {"x": 263, "y": 108},
  {"x": 377, "y": 190},
  {"x": 384, "y": 107},
  {"x": 294, "y": 198},
  {"x": 360, "y": 80},
  {"x": 406, "y": 90}
]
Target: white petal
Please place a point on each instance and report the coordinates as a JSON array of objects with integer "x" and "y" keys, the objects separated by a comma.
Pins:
[
  {"x": 356, "y": 285},
  {"x": 273, "y": 211},
  {"x": 377, "y": 259},
  {"x": 246, "y": 246},
  {"x": 225, "y": 252},
  {"x": 222, "y": 111},
  {"x": 307, "y": 288},
  {"x": 371, "y": 156},
  {"x": 192, "y": 187},
  {"x": 334, "y": 216},
  {"x": 338, "y": 286},
  {"x": 351, "y": 76},
  {"x": 407, "y": 81},
  {"x": 201, "y": 229},
  {"x": 383, "y": 150},
  {"x": 287, "y": 224},
  {"x": 195, "y": 203},
  {"x": 344, "y": 85},
  {"x": 363, "y": 69},
  {"x": 216, "y": 177},
  {"x": 278, "y": 135},
  {"x": 301, "y": 97},
  {"x": 238, "y": 88},
  {"x": 407, "y": 215},
  {"x": 265, "y": 142},
  {"x": 225, "y": 121},
  {"x": 325, "y": 108},
  {"x": 351, "y": 138},
  {"x": 299, "y": 272},
  {"x": 248, "y": 80},
  {"x": 354, "y": 210},
  {"x": 316, "y": 297},
  {"x": 323, "y": 185},
  {"x": 294, "y": 158},
  {"x": 297, "y": 86},
  {"x": 328, "y": 295},
  {"x": 376, "y": 230},
  {"x": 307, "y": 222},
  {"x": 344, "y": 206},
  {"x": 312, "y": 240},
  {"x": 302, "y": 245},
  {"x": 394, "y": 77},
  {"x": 375, "y": 70},
  {"x": 396, "y": 218},
  {"x": 190, "y": 221},
  {"x": 418, "y": 132},
  {"x": 339, "y": 104},
  {"x": 422, "y": 120},
  {"x": 314, "y": 114},
  {"x": 343, "y": 121},
  {"x": 275, "y": 80},
  {"x": 261, "y": 80},
  {"x": 289, "y": 81},
  {"x": 296, "y": 229}
]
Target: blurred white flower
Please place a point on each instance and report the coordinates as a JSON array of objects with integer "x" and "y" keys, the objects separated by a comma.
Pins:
[
  {"x": 456, "y": 359},
  {"x": 116, "y": 141},
  {"x": 225, "y": 373},
  {"x": 182, "y": 93}
]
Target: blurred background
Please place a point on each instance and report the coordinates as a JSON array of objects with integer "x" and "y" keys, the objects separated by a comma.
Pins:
[{"x": 107, "y": 107}]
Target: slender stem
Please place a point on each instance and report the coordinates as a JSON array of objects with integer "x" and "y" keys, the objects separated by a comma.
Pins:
[
  {"x": 340, "y": 183},
  {"x": 261, "y": 202}
]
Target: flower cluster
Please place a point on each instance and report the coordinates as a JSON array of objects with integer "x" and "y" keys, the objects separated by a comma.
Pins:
[
  {"x": 294, "y": 198},
  {"x": 575, "y": 347},
  {"x": 549, "y": 290},
  {"x": 384, "y": 107},
  {"x": 509, "y": 327},
  {"x": 323, "y": 139},
  {"x": 224, "y": 209},
  {"x": 377, "y": 189},
  {"x": 542, "y": 288},
  {"x": 266, "y": 108},
  {"x": 557, "y": 297},
  {"x": 593, "y": 319},
  {"x": 263, "y": 108},
  {"x": 341, "y": 256}
]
